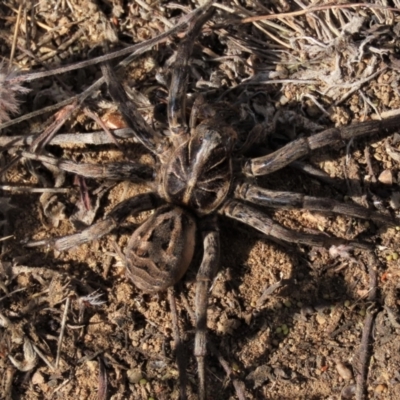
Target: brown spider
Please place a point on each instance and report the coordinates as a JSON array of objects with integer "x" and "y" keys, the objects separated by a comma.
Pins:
[{"x": 194, "y": 183}]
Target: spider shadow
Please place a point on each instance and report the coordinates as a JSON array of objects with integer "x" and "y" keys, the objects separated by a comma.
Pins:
[
  {"x": 308, "y": 296},
  {"x": 312, "y": 290}
]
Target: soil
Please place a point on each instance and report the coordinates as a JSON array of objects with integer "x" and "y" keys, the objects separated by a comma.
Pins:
[{"x": 286, "y": 319}]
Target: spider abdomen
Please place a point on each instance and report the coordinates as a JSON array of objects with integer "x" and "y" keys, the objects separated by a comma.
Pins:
[{"x": 160, "y": 250}]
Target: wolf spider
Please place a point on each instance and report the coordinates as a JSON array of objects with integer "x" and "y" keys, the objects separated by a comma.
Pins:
[{"x": 199, "y": 175}]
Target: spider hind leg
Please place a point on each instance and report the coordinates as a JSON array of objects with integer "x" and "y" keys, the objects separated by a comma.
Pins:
[
  {"x": 131, "y": 206},
  {"x": 290, "y": 200},
  {"x": 261, "y": 222}
]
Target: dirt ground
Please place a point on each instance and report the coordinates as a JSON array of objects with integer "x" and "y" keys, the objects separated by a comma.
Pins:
[{"x": 285, "y": 321}]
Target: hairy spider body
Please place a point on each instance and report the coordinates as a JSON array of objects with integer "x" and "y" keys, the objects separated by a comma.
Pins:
[
  {"x": 160, "y": 251},
  {"x": 199, "y": 173},
  {"x": 194, "y": 176}
]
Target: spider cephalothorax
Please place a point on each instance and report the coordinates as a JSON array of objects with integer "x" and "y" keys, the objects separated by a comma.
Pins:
[
  {"x": 194, "y": 183},
  {"x": 199, "y": 173}
]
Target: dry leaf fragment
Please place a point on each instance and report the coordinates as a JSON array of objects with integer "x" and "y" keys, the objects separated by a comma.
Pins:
[{"x": 30, "y": 358}]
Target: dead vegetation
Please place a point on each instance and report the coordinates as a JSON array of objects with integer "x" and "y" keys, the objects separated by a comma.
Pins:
[{"x": 285, "y": 322}]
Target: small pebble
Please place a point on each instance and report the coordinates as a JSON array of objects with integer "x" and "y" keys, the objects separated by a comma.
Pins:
[
  {"x": 134, "y": 375},
  {"x": 344, "y": 371},
  {"x": 386, "y": 177},
  {"x": 381, "y": 388},
  {"x": 37, "y": 378}
]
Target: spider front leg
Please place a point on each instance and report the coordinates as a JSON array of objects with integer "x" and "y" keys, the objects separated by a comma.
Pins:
[
  {"x": 261, "y": 222},
  {"x": 151, "y": 139},
  {"x": 180, "y": 68},
  {"x": 134, "y": 205},
  {"x": 278, "y": 199},
  {"x": 204, "y": 277},
  {"x": 134, "y": 172},
  {"x": 304, "y": 146}
]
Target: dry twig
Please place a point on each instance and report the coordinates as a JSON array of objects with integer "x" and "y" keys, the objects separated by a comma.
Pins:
[
  {"x": 180, "y": 353},
  {"x": 62, "y": 330},
  {"x": 364, "y": 351}
]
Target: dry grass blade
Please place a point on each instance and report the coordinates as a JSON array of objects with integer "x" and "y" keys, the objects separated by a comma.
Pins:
[
  {"x": 364, "y": 352},
  {"x": 62, "y": 330},
  {"x": 9, "y": 104},
  {"x": 17, "y": 26},
  {"x": 319, "y": 8},
  {"x": 45, "y": 138},
  {"x": 179, "y": 348},
  {"x": 22, "y": 189},
  {"x": 131, "y": 50},
  {"x": 103, "y": 382},
  {"x": 96, "y": 138},
  {"x": 8, "y": 383}
]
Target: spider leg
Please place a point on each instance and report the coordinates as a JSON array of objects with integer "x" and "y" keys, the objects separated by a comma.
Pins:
[
  {"x": 198, "y": 104},
  {"x": 151, "y": 139},
  {"x": 204, "y": 277},
  {"x": 177, "y": 91},
  {"x": 179, "y": 348},
  {"x": 131, "y": 171},
  {"x": 261, "y": 222},
  {"x": 115, "y": 217},
  {"x": 304, "y": 146},
  {"x": 274, "y": 198},
  {"x": 318, "y": 174}
]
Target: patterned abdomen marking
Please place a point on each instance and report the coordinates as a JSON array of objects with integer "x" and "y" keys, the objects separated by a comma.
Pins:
[{"x": 160, "y": 250}]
